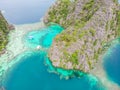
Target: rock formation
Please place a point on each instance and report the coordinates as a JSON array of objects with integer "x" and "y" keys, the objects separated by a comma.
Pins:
[
  {"x": 89, "y": 25},
  {"x": 4, "y": 30}
]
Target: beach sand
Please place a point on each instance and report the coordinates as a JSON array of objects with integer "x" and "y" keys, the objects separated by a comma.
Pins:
[{"x": 16, "y": 45}]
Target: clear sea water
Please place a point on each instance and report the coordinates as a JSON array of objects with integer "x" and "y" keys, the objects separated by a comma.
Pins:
[
  {"x": 34, "y": 71},
  {"x": 112, "y": 63}
]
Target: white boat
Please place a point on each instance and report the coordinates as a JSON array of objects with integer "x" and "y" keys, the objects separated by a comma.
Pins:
[
  {"x": 30, "y": 37},
  {"x": 38, "y": 47}
]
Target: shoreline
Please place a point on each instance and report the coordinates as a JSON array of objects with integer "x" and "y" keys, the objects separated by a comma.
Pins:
[
  {"x": 15, "y": 45},
  {"x": 100, "y": 73}
]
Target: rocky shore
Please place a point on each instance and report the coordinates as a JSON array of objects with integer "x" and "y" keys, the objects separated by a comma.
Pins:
[{"x": 89, "y": 25}]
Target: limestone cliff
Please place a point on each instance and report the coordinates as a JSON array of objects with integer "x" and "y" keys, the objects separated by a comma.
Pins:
[
  {"x": 4, "y": 30},
  {"x": 89, "y": 24}
]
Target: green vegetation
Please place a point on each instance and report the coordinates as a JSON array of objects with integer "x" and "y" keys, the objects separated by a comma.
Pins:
[
  {"x": 3, "y": 32},
  {"x": 90, "y": 9},
  {"x": 106, "y": 28},
  {"x": 73, "y": 58},
  {"x": 83, "y": 21},
  {"x": 79, "y": 24},
  {"x": 96, "y": 55},
  {"x": 112, "y": 24},
  {"x": 95, "y": 43},
  {"x": 92, "y": 31},
  {"x": 115, "y": 1},
  {"x": 118, "y": 23},
  {"x": 60, "y": 15},
  {"x": 88, "y": 5},
  {"x": 67, "y": 38},
  {"x": 63, "y": 12},
  {"x": 83, "y": 33}
]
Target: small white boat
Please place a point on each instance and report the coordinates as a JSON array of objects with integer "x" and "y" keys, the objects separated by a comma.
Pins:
[
  {"x": 30, "y": 37},
  {"x": 38, "y": 47}
]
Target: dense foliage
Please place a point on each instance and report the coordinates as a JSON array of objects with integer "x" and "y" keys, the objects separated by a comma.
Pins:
[
  {"x": 89, "y": 25},
  {"x": 3, "y": 32},
  {"x": 118, "y": 22}
]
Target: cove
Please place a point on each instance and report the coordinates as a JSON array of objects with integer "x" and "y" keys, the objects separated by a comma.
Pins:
[
  {"x": 43, "y": 37},
  {"x": 32, "y": 72},
  {"x": 112, "y": 62}
]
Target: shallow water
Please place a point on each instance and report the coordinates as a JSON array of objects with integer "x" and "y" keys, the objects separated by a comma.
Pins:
[
  {"x": 42, "y": 37},
  {"x": 32, "y": 73},
  {"x": 112, "y": 63}
]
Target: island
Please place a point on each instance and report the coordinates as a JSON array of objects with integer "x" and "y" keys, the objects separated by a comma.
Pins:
[
  {"x": 73, "y": 37},
  {"x": 89, "y": 25}
]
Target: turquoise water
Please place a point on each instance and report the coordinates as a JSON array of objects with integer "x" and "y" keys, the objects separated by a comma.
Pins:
[
  {"x": 43, "y": 37},
  {"x": 112, "y": 63},
  {"x": 35, "y": 72}
]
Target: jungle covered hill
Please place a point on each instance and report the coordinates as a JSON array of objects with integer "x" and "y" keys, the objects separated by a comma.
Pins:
[{"x": 89, "y": 25}]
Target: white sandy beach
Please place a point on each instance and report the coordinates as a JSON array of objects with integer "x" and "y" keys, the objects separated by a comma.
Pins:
[{"x": 15, "y": 45}]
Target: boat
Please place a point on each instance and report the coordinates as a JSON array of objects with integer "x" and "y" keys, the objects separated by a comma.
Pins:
[
  {"x": 30, "y": 37},
  {"x": 38, "y": 47}
]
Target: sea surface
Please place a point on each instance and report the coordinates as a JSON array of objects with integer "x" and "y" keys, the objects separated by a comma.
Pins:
[
  {"x": 34, "y": 71},
  {"x": 112, "y": 62},
  {"x": 24, "y": 11}
]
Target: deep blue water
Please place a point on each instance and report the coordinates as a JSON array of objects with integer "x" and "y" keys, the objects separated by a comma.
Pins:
[
  {"x": 24, "y": 11},
  {"x": 31, "y": 72},
  {"x": 112, "y": 63}
]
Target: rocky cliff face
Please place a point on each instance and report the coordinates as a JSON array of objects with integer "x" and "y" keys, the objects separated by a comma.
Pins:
[
  {"x": 4, "y": 30},
  {"x": 89, "y": 25}
]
